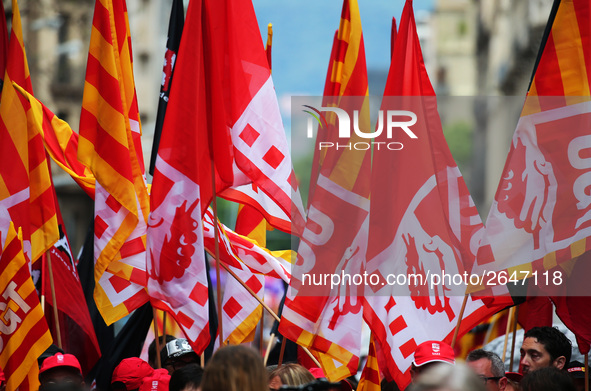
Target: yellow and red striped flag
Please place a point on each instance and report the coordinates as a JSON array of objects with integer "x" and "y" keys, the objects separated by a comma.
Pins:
[
  {"x": 109, "y": 145},
  {"x": 370, "y": 377},
  {"x": 24, "y": 334},
  {"x": 25, "y": 180}
]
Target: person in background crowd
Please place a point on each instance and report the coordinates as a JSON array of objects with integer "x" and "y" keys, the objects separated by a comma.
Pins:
[
  {"x": 544, "y": 347},
  {"x": 235, "y": 368},
  {"x": 290, "y": 375},
  {"x": 386, "y": 385},
  {"x": 576, "y": 370},
  {"x": 163, "y": 340},
  {"x": 61, "y": 372},
  {"x": 187, "y": 378},
  {"x": 513, "y": 381},
  {"x": 489, "y": 367},
  {"x": 51, "y": 351},
  {"x": 158, "y": 381},
  {"x": 130, "y": 372},
  {"x": 176, "y": 354},
  {"x": 443, "y": 377},
  {"x": 430, "y": 353},
  {"x": 547, "y": 379}
]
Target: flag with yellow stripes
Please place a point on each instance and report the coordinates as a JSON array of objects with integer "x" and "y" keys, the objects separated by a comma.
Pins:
[
  {"x": 24, "y": 334},
  {"x": 25, "y": 181},
  {"x": 370, "y": 377},
  {"x": 541, "y": 214},
  {"x": 329, "y": 321},
  {"x": 110, "y": 146}
]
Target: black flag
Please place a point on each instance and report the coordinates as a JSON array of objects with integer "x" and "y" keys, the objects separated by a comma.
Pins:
[{"x": 175, "y": 30}]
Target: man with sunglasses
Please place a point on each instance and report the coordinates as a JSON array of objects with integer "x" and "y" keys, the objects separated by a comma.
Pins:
[{"x": 489, "y": 367}]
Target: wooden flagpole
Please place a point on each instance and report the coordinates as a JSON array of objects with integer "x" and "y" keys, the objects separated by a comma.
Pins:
[
  {"x": 217, "y": 256},
  {"x": 457, "y": 330},
  {"x": 587, "y": 372},
  {"x": 269, "y": 347},
  {"x": 509, "y": 320},
  {"x": 156, "y": 338},
  {"x": 514, "y": 335},
  {"x": 280, "y": 362},
  {"x": 54, "y": 301},
  {"x": 265, "y": 306}
]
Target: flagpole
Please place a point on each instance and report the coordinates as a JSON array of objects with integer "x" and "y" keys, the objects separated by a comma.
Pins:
[
  {"x": 269, "y": 347},
  {"x": 509, "y": 320},
  {"x": 265, "y": 306},
  {"x": 164, "y": 325},
  {"x": 156, "y": 338},
  {"x": 457, "y": 330},
  {"x": 282, "y": 352},
  {"x": 261, "y": 333},
  {"x": 54, "y": 301},
  {"x": 514, "y": 335},
  {"x": 587, "y": 372},
  {"x": 217, "y": 254}
]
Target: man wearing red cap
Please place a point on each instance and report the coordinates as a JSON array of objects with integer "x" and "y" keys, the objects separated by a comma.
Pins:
[
  {"x": 430, "y": 353},
  {"x": 61, "y": 371},
  {"x": 130, "y": 372}
]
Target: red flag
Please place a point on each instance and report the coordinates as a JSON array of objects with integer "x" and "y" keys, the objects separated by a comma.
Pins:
[
  {"x": 222, "y": 121},
  {"x": 422, "y": 221}
]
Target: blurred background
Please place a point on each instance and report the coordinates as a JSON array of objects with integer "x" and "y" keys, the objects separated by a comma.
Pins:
[{"x": 483, "y": 51}]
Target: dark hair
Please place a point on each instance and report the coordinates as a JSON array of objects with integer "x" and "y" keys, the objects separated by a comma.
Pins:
[
  {"x": 497, "y": 365},
  {"x": 554, "y": 341},
  {"x": 547, "y": 379},
  {"x": 152, "y": 347},
  {"x": 189, "y": 375},
  {"x": 234, "y": 368}
]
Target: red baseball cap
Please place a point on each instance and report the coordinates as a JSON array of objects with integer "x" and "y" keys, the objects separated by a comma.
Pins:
[
  {"x": 60, "y": 360},
  {"x": 157, "y": 382},
  {"x": 433, "y": 351},
  {"x": 131, "y": 371}
]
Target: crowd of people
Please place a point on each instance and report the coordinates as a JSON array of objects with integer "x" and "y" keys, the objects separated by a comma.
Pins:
[{"x": 544, "y": 366}]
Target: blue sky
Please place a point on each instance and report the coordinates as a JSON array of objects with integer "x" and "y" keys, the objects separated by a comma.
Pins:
[{"x": 303, "y": 33}]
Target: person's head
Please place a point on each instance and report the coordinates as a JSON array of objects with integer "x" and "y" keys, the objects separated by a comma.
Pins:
[
  {"x": 544, "y": 347},
  {"x": 187, "y": 378},
  {"x": 52, "y": 350},
  {"x": 130, "y": 372},
  {"x": 430, "y": 353},
  {"x": 547, "y": 379},
  {"x": 176, "y": 354},
  {"x": 290, "y": 375},
  {"x": 576, "y": 370},
  {"x": 234, "y": 368},
  {"x": 61, "y": 371},
  {"x": 489, "y": 367},
  {"x": 162, "y": 340},
  {"x": 444, "y": 377}
]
